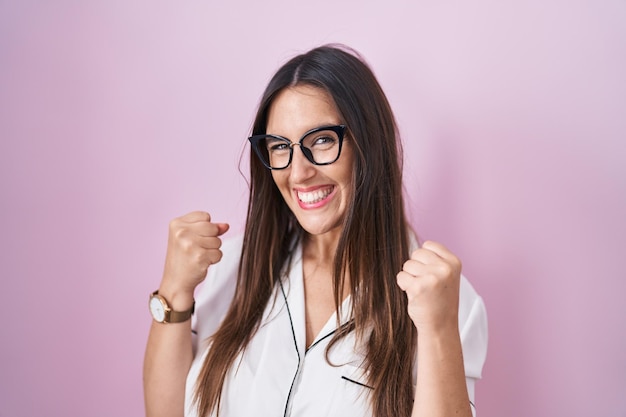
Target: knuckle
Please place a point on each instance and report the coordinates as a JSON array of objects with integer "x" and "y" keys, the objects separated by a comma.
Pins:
[
  {"x": 429, "y": 282},
  {"x": 173, "y": 226},
  {"x": 186, "y": 245},
  {"x": 197, "y": 256},
  {"x": 446, "y": 269},
  {"x": 458, "y": 265},
  {"x": 401, "y": 279},
  {"x": 179, "y": 232}
]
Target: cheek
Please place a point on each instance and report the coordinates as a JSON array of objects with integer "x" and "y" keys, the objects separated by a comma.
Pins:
[
  {"x": 348, "y": 166},
  {"x": 276, "y": 177},
  {"x": 347, "y": 175},
  {"x": 280, "y": 179}
]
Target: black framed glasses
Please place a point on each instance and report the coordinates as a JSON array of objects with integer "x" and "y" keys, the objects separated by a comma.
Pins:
[{"x": 321, "y": 146}]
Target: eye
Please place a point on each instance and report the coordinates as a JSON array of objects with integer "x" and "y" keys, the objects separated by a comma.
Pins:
[
  {"x": 278, "y": 147},
  {"x": 275, "y": 145},
  {"x": 324, "y": 140}
]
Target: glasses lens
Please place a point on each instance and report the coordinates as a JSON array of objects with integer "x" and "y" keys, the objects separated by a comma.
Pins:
[
  {"x": 323, "y": 145},
  {"x": 274, "y": 152}
]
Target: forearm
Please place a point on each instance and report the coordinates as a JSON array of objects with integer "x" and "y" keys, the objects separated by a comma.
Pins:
[
  {"x": 441, "y": 388},
  {"x": 193, "y": 244},
  {"x": 166, "y": 364}
]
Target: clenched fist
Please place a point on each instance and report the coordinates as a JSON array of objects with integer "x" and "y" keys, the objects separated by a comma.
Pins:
[
  {"x": 193, "y": 245},
  {"x": 431, "y": 280}
]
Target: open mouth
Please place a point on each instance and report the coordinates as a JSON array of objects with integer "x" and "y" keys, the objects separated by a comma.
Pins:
[{"x": 316, "y": 196}]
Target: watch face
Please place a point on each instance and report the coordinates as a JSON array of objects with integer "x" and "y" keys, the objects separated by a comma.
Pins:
[{"x": 157, "y": 309}]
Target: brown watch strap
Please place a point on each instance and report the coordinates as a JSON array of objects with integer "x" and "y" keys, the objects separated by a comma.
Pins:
[
  {"x": 172, "y": 316},
  {"x": 181, "y": 316}
]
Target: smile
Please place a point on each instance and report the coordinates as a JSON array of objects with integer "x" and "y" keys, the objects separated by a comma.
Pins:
[{"x": 316, "y": 196}]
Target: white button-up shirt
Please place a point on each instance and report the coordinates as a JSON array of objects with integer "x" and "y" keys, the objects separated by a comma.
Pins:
[{"x": 277, "y": 375}]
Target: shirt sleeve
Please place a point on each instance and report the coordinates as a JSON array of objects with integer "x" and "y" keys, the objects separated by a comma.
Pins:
[
  {"x": 474, "y": 336},
  {"x": 214, "y": 296}
]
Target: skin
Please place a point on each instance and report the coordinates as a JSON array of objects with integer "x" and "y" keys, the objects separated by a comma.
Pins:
[
  {"x": 293, "y": 112},
  {"x": 193, "y": 245},
  {"x": 430, "y": 278}
]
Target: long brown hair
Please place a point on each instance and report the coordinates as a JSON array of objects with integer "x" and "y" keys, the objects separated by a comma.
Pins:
[{"x": 372, "y": 247}]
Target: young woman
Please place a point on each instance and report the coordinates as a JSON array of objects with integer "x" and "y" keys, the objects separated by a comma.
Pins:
[{"x": 325, "y": 306}]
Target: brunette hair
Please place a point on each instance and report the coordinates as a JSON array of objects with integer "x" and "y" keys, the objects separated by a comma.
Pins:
[{"x": 372, "y": 247}]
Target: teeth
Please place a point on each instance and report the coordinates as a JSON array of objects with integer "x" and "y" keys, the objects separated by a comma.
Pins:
[{"x": 315, "y": 196}]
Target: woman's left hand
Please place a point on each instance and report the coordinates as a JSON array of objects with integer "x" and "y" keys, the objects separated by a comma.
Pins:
[{"x": 431, "y": 279}]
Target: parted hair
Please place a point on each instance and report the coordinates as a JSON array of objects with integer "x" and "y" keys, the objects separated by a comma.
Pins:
[{"x": 373, "y": 245}]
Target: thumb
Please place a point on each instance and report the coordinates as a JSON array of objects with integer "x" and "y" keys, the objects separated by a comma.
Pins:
[{"x": 222, "y": 228}]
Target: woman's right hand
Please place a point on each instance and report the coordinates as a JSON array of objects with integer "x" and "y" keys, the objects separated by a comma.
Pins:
[{"x": 193, "y": 245}]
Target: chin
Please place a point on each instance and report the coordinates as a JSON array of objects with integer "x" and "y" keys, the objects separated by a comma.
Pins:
[{"x": 318, "y": 230}]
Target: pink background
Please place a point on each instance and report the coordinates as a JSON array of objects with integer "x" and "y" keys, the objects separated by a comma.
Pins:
[{"x": 116, "y": 116}]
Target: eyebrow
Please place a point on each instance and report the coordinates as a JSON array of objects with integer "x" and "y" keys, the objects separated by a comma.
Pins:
[{"x": 330, "y": 124}]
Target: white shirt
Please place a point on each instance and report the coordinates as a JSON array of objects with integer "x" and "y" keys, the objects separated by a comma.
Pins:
[{"x": 277, "y": 376}]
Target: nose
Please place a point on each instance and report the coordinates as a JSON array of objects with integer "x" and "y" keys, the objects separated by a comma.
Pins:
[{"x": 301, "y": 168}]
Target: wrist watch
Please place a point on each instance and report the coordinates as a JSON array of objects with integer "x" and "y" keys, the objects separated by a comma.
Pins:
[{"x": 163, "y": 313}]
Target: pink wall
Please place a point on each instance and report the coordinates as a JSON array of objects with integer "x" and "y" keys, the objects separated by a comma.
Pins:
[{"x": 117, "y": 116}]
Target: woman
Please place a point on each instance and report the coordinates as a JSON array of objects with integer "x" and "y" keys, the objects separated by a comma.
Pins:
[{"x": 324, "y": 307}]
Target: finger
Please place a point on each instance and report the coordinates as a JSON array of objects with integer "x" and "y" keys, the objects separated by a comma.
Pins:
[
  {"x": 205, "y": 229},
  {"x": 404, "y": 280},
  {"x": 413, "y": 285},
  {"x": 415, "y": 268},
  {"x": 214, "y": 256},
  {"x": 223, "y": 228},
  {"x": 439, "y": 249},
  {"x": 209, "y": 242},
  {"x": 425, "y": 256},
  {"x": 196, "y": 216}
]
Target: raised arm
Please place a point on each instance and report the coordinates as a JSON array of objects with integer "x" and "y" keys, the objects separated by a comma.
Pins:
[
  {"x": 193, "y": 245},
  {"x": 431, "y": 280}
]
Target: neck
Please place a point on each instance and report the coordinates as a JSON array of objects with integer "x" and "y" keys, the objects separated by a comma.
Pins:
[{"x": 321, "y": 248}]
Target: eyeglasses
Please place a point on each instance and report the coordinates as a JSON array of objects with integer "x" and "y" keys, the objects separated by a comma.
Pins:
[{"x": 321, "y": 146}]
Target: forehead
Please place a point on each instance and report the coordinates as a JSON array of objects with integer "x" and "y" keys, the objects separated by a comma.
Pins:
[{"x": 298, "y": 109}]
